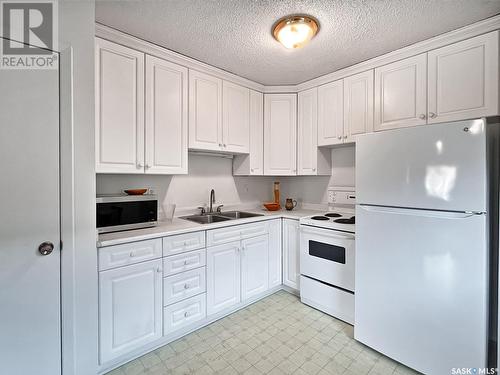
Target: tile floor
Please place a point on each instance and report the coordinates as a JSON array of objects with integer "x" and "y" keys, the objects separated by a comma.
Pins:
[{"x": 277, "y": 335}]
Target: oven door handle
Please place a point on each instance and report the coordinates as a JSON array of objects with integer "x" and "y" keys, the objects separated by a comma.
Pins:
[{"x": 331, "y": 233}]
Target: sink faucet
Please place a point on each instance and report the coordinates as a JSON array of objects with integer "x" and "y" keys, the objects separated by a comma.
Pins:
[{"x": 212, "y": 201}]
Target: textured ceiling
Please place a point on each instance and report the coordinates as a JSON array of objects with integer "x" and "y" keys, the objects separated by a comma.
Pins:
[{"x": 235, "y": 35}]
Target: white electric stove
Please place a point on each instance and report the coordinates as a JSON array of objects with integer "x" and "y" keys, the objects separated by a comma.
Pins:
[{"x": 327, "y": 256}]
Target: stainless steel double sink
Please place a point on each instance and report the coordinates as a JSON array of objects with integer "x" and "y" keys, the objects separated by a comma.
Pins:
[{"x": 219, "y": 216}]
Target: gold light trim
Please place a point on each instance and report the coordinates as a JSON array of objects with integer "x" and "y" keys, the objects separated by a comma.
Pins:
[{"x": 295, "y": 31}]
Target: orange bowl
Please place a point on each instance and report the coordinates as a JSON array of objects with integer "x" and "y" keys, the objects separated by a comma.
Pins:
[
  {"x": 271, "y": 206},
  {"x": 135, "y": 191}
]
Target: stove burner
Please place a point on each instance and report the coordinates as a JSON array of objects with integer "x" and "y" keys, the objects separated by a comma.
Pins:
[
  {"x": 333, "y": 214},
  {"x": 320, "y": 218},
  {"x": 351, "y": 220}
]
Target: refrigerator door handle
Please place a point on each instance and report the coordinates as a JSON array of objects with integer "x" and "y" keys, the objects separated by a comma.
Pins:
[{"x": 421, "y": 212}]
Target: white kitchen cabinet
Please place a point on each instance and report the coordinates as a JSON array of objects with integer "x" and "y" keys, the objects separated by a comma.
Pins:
[
  {"x": 463, "y": 79},
  {"x": 291, "y": 253},
  {"x": 280, "y": 134},
  {"x": 130, "y": 308},
  {"x": 223, "y": 277},
  {"x": 119, "y": 114},
  {"x": 311, "y": 160},
  {"x": 253, "y": 164},
  {"x": 205, "y": 112},
  {"x": 401, "y": 93},
  {"x": 358, "y": 105},
  {"x": 331, "y": 114},
  {"x": 235, "y": 118},
  {"x": 275, "y": 258},
  {"x": 166, "y": 117},
  {"x": 254, "y": 266}
]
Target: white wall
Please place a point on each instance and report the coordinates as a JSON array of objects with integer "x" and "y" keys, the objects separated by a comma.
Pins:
[{"x": 192, "y": 190}]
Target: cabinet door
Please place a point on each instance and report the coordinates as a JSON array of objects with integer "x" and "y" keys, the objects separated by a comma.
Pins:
[
  {"x": 256, "y": 133},
  {"x": 331, "y": 113},
  {"x": 236, "y": 118},
  {"x": 291, "y": 272},
  {"x": 254, "y": 266},
  {"x": 358, "y": 105},
  {"x": 205, "y": 112},
  {"x": 130, "y": 308},
  {"x": 119, "y": 108},
  {"x": 401, "y": 93},
  {"x": 463, "y": 79},
  {"x": 223, "y": 277},
  {"x": 280, "y": 134},
  {"x": 166, "y": 117},
  {"x": 307, "y": 134},
  {"x": 275, "y": 263}
]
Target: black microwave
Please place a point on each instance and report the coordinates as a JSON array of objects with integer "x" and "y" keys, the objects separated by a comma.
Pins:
[{"x": 124, "y": 212}]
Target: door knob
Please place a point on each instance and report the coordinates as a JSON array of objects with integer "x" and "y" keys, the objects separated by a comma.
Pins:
[
  {"x": 432, "y": 115},
  {"x": 422, "y": 117},
  {"x": 46, "y": 248}
]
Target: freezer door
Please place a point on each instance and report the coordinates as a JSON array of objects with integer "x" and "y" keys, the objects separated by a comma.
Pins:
[
  {"x": 440, "y": 166},
  {"x": 421, "y": 287}
]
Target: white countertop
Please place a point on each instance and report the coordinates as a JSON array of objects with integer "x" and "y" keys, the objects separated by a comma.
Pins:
[{"x": 178, "y": 226}]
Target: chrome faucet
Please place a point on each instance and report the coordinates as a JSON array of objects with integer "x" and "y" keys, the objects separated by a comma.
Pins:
[{"x": 212, "y": 201}]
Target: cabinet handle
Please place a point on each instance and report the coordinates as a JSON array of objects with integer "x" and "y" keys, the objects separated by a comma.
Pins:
[
  {"x": 251, "y": 169},
  {"x": 159, "y": 270},
  {"x": 147, "y": 166},
  {"x": 131, "y": 254},
  {"x": 432, "y": 115},
  {"x": 345, "y": 136},
  {"x": 139, "y": 165},
  {"x": 224, "y": 145},
  {"x": 186, "y": 286},
  {"x": 220, "y": 144},
  {"x": 186, "y": 314},
  {"x": 185, "y": 262},
  {"x": 422, "y": 117},
  {"x": 314, "y": 169},
  {"x": 339, "y": 137}
]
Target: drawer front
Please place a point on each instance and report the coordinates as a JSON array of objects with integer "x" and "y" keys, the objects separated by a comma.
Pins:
[
  {"x": 235, "y": 233},
  {"x": 183, "y": 242},
  {"x": 184, "y": 313},
  {"x": 129, "y": 253},
  {"x": 183, "y": 285},
  {"x": 184, "y": 262}
]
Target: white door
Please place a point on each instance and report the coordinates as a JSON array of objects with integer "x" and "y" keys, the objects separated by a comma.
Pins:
[
  {"x": 254, "y": 266},
  {"x": 307, "y": 133},
  {"x": 358, "y": 105},
  {"x": 236, "y": 118},
  {"x": 166, "y": 117},
  {"x": 401, "y": 93},
  {"x": 119, "y": 108},
  {"x": 130, "y": 308},
  {"x": 331, "y": 113},
  {"x": 256, "y": 133},
  {"x": 223, "y": 277},
  {"x": 280, "y": 134},
  {"x": 205, "y": 112},
  {"x": 30, "y": 321},
  {"x": 463, "y": 79},
  {"x": 275, "y": 263},
  {"x": 291, "y": 254}
]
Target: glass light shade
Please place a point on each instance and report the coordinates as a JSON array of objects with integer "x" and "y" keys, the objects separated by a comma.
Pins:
[{"x": 295, "y": 31}]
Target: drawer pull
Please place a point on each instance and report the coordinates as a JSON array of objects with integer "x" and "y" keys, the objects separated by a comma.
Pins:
[
  {"x": 131, "y": 254},
  {"x": 186, "y": 314},
  {"x": 159, "y": 270},
  {"x": 186, "y": 286}
]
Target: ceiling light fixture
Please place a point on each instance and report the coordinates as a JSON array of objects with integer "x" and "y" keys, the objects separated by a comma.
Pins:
[{"x": 295, "y": 31}]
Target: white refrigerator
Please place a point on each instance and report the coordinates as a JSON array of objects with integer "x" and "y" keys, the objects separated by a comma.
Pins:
[{"x": 423, "y": 244}]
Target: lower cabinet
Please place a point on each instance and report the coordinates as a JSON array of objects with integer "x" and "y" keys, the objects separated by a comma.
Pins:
[
  {"x": 130, "y": 308},
  {"x": 291, "y": 253},
  {"x": 254, "y": 266},
  {"x": 275, "y": 258},
  {"x": 184, "y": 313},
  {"x": 223, "y": 276}
]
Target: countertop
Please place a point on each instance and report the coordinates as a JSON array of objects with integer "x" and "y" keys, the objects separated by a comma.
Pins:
[{"x": 179, "y": 226}]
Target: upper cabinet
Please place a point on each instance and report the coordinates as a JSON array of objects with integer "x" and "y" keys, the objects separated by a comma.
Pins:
[
  {"x": 137, "y": 133},
  {"x": 400, "y": 93},
  {"x": 253, "y": 164},
  {"x": 311, "y": 160},
  {"x": 236, "y": 118},
  {"x": 119, "y": 113},
  {"x": 280, "y": 134},
  {"x": 358, "y": 105},
  {"x": 205, "y": 112},
  {"x": 166, "y": 117},
  {"x": 463, "y": 79},
  {"x": 331, "y": 113}
]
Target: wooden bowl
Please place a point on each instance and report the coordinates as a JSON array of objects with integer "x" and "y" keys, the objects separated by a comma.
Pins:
[
  {"x": 271, "y": 206},
  {"x": 135, "y": 191}
]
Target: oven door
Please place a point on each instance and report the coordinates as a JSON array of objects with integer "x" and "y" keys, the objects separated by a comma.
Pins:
[{"x": 328, "y": 256}]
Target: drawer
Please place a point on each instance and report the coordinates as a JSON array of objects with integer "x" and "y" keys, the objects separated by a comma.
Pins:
[
  {"x": 129, "y": 253},
  {"x": 184, "y": 313},
  {"x": 236, "y": 233},
  {"x": 184, "y": 262},
  {"x": 183, "y": 285},
  {"x": 183, "y": 242}
]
